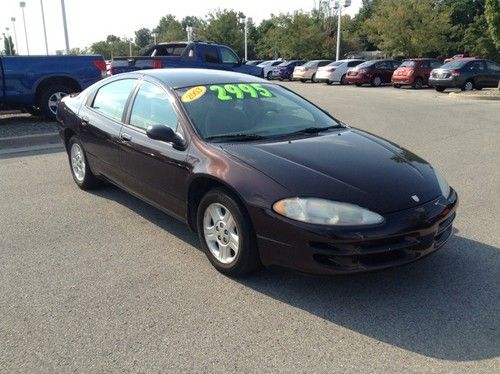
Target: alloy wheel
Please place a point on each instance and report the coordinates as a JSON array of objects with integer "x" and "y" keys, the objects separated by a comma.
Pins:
[
  {"x": 77, "y": 162},
  {"x": 221, "y": 233}
]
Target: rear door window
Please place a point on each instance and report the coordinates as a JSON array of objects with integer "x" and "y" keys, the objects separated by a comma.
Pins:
[
  {"x": 152, "y": 107},
  {"x": 323, "y": 63},
  {"x": 111, "y": 99},
  {"x": 211, "y": 54},
  {"x": 493, "y": 67},
  {"x": 476, "y": 66},
  {"x": 384, "y": 65}
]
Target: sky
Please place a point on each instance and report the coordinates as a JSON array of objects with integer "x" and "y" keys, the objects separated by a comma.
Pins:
[{"x": 92, "y": 20}]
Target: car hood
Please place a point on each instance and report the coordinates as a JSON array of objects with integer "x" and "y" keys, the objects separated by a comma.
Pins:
[{"x": 350, "y": 166}]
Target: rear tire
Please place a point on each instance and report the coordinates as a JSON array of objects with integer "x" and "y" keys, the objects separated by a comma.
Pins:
[
  {"x": 343, "y": 80},
  {"x": 226, "y": 234},
  {"x": 358, "y": 84},
  {"x": 49, "y": 98},
  {"x": 439, "y": 89},
  {"x": 396, "y": 85},
  {"x": 328, "y": 82},
  {"x": 313, "y": 78},
  {"x": 418, "y": 83},
  {"x": 303, "y": 80},
  {"x": 80, "y": 169},
  {"x": 269, "y": 76}
]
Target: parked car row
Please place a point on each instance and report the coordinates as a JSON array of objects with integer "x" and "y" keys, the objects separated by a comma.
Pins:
[{"x": 466, "y": 73}]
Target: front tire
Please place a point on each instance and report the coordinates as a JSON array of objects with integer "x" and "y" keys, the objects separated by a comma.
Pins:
[
  {"x": 226, "y": 234},
  {"x": 313, "y": 78},
  {"x": 80, "y": 169},
  {"x": 376, "y": 81},
  {"x": 468, "y": 86},
  {"x": 343, "y": 80},
  {"x": 358, "y": 84},
  {"x": 329, "y": 82},
  {"x": 439, "y": 89},
  {"x": 269, "y": 76},
  {"x": 50, "y": 97},
  {"x": 395, "y": 85}
]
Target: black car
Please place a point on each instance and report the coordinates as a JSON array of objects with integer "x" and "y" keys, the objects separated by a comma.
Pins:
[
  {"x": 466, "y": 74},
  {"x": 263, "y": 175}
]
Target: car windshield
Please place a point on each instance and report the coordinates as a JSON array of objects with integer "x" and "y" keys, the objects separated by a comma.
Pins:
[
  {"x": 366, "y": 64},
  {"x": 454, "y": 64},
  {"x": 247, "y": 111},
  {"x": 407, "y": 64}
]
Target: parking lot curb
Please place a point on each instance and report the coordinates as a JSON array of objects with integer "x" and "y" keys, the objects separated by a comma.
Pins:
[
  {"x": 27, "y": 141},
  {"x": 459, "y": 96}
]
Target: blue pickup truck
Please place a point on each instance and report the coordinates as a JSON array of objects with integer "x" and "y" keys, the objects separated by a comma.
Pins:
[
  {"x": 36, "y": 83},
  {"x": 197, "y": 54}
]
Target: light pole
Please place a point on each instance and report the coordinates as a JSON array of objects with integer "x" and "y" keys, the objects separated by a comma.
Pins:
[
  {"x": 189, "y": 30},
  {"x": 130, "y": 46},
  {"x": 44, "y": 29},
  {"x": 338, "y": 5},
  {"x": 13, "y": 19},
  {"x": 65, "y": 26},
  {"x": 245, "y": 21},
  {"x": 22, "y": 4},
  {"x": 155, "y": 35}
]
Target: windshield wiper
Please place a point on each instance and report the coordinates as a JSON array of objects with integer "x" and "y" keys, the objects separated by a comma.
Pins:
[
  {"x": 236, "y": 137},
  {"x": 313, "y": 130}
]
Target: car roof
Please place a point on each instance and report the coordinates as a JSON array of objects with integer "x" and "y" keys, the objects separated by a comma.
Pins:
[{"x": 185, "y": 77}]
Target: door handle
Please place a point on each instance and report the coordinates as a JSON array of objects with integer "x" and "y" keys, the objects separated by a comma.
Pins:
[
  {"x": 126, "y": 136},
  {"x": 85, "y": 120}
]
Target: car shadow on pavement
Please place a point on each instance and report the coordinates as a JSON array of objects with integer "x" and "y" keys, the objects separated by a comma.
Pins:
[{"x": 446, "y": 306}]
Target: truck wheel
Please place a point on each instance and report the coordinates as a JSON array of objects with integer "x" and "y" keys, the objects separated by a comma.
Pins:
[{"x": 50, "y": 97}]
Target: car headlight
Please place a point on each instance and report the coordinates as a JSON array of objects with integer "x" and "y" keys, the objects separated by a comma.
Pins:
[
  {"x": 443, "y": 184},
  {"x": 326, "y": 212}
]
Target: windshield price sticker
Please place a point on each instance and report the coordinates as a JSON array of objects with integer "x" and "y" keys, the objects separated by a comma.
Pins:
[
  {"x": 240, "y": 91},
  {"x": 193, "y": 94}
]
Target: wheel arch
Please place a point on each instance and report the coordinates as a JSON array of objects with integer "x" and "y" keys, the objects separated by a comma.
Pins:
[
  {"x": 198, "y": 187},
  {"x": 55, "y": 80}
]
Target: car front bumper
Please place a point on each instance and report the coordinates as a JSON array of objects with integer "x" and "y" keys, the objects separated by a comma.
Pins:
[
  {"x": 452, "y": 82},
  {"x": 402, "y": 79},
  {"x": 405, "y": 236}
]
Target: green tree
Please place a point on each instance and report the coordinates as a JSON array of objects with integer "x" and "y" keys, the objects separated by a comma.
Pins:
[
  {"x": 78, "y": 51},
  {"x": 8, "y": 46},
  {"x": 416, "y": 27},
  {"x": 492, "y": 13},
  {"x": 143, "y": 37},
  {"x": 170, "y": 30},
  {"x": 225, "y": 27},
  {"x": 477, "y": 40},
  {"x": 113, "y": 46}
]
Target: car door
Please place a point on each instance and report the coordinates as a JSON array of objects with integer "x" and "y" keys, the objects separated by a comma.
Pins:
[
  {"x": 493, "y": 73},
  {"x": 101, "y": 122},
  {"x": 384, "y": 70},
  {"x": 154, "y": 169},
  {"x": 477, "y": 70}
]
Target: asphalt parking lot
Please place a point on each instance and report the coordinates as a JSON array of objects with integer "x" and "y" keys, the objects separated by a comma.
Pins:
[{"x": 100, "y": 281}]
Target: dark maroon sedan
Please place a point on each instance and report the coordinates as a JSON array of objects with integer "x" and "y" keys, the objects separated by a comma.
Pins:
[
  {"x": 263, "y": 175},
  {"x": 374, "y": 72}
]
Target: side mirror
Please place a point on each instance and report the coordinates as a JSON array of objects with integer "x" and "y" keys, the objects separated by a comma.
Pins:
[{"x": 166, "y": 134}]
